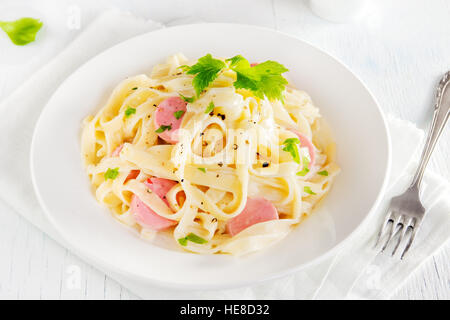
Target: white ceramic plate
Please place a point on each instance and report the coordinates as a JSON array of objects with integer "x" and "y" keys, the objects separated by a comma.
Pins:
[{"x": 65, "y": 194}]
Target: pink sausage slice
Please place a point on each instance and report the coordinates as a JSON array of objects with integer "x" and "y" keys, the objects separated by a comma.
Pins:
[
  {"x": 160, "y": 186},
  {"x": 305, "y": 142},
  {"x": 116, "y": 151},
  {"x": 165, "y": 116},
  {"x": 256, "y": 210},
  {"x": 147, "y": 216}
]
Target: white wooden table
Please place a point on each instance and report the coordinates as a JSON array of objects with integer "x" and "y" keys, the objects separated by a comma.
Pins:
[{"x": 399, "y": 50}]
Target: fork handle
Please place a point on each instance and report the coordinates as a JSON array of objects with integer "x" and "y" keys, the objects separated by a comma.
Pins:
[{"x": 440, "y": 117}]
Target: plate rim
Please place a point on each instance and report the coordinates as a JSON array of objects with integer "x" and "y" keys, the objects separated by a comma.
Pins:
[{"x": 182, "y": 286}]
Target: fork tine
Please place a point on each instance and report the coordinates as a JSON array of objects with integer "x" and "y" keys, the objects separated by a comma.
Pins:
[
  {"x": 405, "y": 225},
  {"x": 383, "y": 227},
  {"x": 411, "y": 239},
  {"x": 392, "y": 232}
]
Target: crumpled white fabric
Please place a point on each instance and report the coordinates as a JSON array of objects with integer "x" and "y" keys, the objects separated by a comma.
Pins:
[{"x": 355, "y": 272}]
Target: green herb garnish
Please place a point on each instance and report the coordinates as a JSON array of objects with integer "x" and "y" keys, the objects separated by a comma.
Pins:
[
  {"x": 206, "y": 70},
  {"x": 22, "y": 31},
  {"x": 210, "y": 107},
  {"x": 193, "y": 238},
  {"x": 196, "y": 239},
  {"x": 111, "y": 173},
  {"x": 202, "y": 170},
  {"x": 305, "y": 169},
  {"x": 308, "y": 190},
  {"x": 290, "y": 145},
  {"x": 183, "y": 241},
  {"x": 163, "y": 128},
  {"x": 187, "y": 99},
  {"x": 323, "y": 173},
  {"x": 135, "y": 88},
  {"x": 129, "y": 111},
  {"x": 178, "y": 114},
  {"x": 264, "y": 79}
]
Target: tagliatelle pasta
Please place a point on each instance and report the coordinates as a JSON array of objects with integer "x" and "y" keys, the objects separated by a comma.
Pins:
[{"x": 224, "y": 170}]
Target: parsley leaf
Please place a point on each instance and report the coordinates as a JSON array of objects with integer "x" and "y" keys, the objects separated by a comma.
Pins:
[
  {"x": 196, "y": 239},
  {"x": 178, "y": 114},
  {"x": 305, "y": 169},
  {"x": 308, "y": 190},
  {"x": 183, "y": 241},
  {"x": 129, "y": 111},
  {"x": 323, "y": 173},
  {"x": 111, "y": 173},
  {"x": 263, "y": 79},
  {"x": 163, "y": 128},
  {"x": 193, "y": 238},
  {"x": 135, "y": 88},
  {"x": 202, "y": 170},
  {"x": 290, "y": 145},
  {"x": 22, "y": 31},
  {"x": 187, "y": 99},
  {"x": 210, "y": 107},
  {"x": 206, "y": 70},
  {"x": 235, "y": 60}
]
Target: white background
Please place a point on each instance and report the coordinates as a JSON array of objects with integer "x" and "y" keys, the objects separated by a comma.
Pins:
[{"x": 399, "y": 49}]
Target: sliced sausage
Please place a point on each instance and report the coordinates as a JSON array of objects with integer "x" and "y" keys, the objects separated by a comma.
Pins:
[
  {"x": 116, "y": 151},
  {"x": 165, "y": 116},
  {"x": 160, "y": 186},
  {"x": 305, "y": 142},
  {"x": 143, "y": 214},
  {"x": 256, "y": 210}
]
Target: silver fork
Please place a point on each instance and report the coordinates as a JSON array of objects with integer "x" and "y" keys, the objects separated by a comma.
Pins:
[{"x": 406, "y": 212}]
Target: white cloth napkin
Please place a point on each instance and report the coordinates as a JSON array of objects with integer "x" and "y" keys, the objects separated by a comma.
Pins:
[{"x": 355, "y": 272}]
